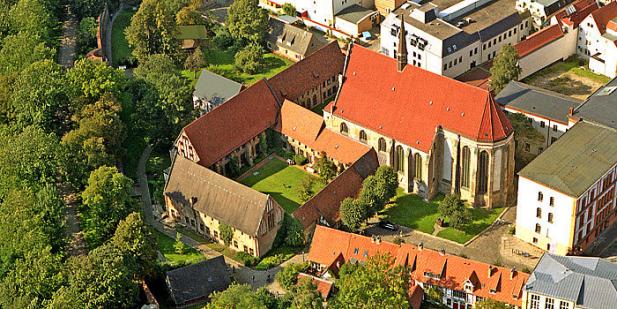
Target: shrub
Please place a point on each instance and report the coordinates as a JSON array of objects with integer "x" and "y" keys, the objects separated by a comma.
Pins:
[
  {"x": 247, "y": 259},
  {"x": 249, "y": 59},
  {"x": 222, "y": 39},
  {"x": 227, "y": 233},
  {"x": 299, "y": 159},
  {"x": 398, "y": 240},
  {"x": 288, "y": 277},
  {"x": 179, "y": 246},
  {"x": 295, "y": 233}
]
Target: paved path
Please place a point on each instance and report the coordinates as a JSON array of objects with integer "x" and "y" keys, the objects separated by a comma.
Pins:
[
  {"x": 77, "y": 244},
  {"x": 241, "y": 273},
  {"x": 66, "y": 53}
]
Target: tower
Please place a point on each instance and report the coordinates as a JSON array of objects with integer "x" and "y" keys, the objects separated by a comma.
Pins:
[{"x": 401, "y": 53}]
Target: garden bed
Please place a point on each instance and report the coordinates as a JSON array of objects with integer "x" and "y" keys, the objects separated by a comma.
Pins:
[{"x": 173, "y": 259}]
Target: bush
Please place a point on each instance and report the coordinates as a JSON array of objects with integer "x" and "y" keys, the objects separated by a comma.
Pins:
[
  {"x": 227, "y": 233},
  {"x": 398, "y": 240},
  {"x": 271, "y": 261},
  {"x": 179, "y": 246},
  {"x": 299, "y": 159},
  {"x": 288, "y": 277},
  {"x": 249, "y": 59},
  {"x": 295, "y": 233},
  {"x": 86, "y": 35},
  {"x": 247, "y": 259},
  {"x": 222, "y": 39}
]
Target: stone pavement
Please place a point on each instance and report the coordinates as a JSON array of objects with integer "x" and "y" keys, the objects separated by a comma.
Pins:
[{"x": 66, "y": 53}]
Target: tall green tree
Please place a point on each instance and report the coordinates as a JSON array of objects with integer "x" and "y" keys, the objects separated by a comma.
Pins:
[
  {"x": 247, "y": 21},
  {"x": 107, "y": 200},
  {"x": 326, "y": 169},
  {"x": 376, "y": 284},
  {"x": 91, "y": 79},
  {"x": 14, "y": 59},
  {"x": 134, "y": 238},
  {"x": 288, "y": 276},
  {"x": 505, "y": 68},
  {"x": 239, "y": 296},
  {"x": 192, "y": 14},
  {"x": 33, "y": 18},
  {"x": 289, "y": 9},
  {"x": 305, "y": 295},
  {"x": 353, "y": 213},
  {"x": 454, "y": 209},
  {"x": 153, "y": 29},
  {"x": 195, "y": 61},
  {"x": 305, "y": 188},
  {"x": 249, "y": 59},
  {"x": 227, "y": 233}
]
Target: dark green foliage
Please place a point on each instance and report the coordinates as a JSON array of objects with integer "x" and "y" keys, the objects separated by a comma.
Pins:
[
  {"x": 195, "y": 61},
  {"x": 376, "y": 284},
  {"x": 240, "y": 296},
  {"x": 13, "y": 59},
  {"x": 89, "y": 8},
  {"x": 247, "y": 259},
  {"x": 505, "y": 68},
  {"x": 249, "y": 59},
  {"x": 299, "y": 159},
  {"x": 294, "y": 233},
  {"x": 247, "y": 21},
  {"x": 90, "y": 80},
  {"x": 289, "y": 9},
  {"x": 326, "y": 169},
  {"x": 288, "y": 276},
  {"x": 524, "y": 133},
  {"x": 134, "y": 239},
  {"x": 33, "y": 18},
  {"x": 491, "y": 304},
  {"x": 305, "y": 188},
  {"x": 353, "y": 213},
  {"x": 227, "y": 233},
  {"x": 107, "y": 200},
  {"x": 222, "y": 38},
  {"x": 455, "y": 210},
  {"x": 86, "y": 35},
  {"x": 305, "y": 295},
  {"x": 153, "y": 30}
]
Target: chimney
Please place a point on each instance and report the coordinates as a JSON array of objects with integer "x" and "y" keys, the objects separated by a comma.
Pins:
[
  {"x": 373, "y": 239},
  {"x": 420, "y": 246},
  {"x": 512, "y": 273},
  {"x": 378, "y": 240},
  {"x": 442, "y": 252},
  {"x": 571, "y": 111},
  {"x": 490, "y": 270},
  {"x": 401, "y": 53}
]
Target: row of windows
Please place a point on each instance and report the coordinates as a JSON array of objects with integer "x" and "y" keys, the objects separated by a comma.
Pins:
[
  {"x": 549, "y": 303},
  {"x": 539, "y": 215}
]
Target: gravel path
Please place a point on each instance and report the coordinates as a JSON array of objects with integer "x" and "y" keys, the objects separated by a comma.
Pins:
[{"x": 66, "y": 54}]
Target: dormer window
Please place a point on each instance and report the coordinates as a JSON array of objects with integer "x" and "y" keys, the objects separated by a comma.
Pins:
[{"x": 468, "y": 287}]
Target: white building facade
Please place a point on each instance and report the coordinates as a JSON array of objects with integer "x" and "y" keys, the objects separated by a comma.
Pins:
[{"x": 597, "y": 39}]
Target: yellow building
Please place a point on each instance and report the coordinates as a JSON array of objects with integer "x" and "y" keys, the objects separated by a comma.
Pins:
[{"x": 203, "y": 200}]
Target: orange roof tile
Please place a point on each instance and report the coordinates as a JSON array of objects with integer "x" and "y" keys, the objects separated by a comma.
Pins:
[
  {"x": 410, "y": 105},
  {"x": 230, "y": 125},
  {"x": 308, "y": 128},
  {"x": 539, "y": 40},
  {"x": 502, "y": 284}
]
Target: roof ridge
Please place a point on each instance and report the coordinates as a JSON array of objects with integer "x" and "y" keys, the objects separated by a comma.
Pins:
[{"x": 548, "y": 92}]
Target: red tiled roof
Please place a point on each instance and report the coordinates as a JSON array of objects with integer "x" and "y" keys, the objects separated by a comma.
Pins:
[
  {"x": 582, "y": 9},
  {"x": 309, "y": 72},
  {"x": 479, "y": 76},
  {"x": 416, "y": 296},
  {"x": 308, "y": 128},
  {"x": 603, "y": 15},
  {"x": 500, "y": 284},
  {"x": 230, "y": 125},
  {"x": 410, "y": 105},
  {"x": 326, "y": 203},
  {"x": 323, "y": 286},
  {"x": 539, "y": 40}
]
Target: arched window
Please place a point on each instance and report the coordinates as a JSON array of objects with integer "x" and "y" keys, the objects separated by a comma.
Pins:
[
  {"x": 466, "y": 159},
  {"x": 539, "y": 213},
  {"x": 363, "y": 136},
  {"x": 344, "y": 128},
  {"x": 483, "y": 172},
  {"x": 382, "y": 144},
  {"x": 400, "y": 158},
  {"x": 417, "y": 158}
]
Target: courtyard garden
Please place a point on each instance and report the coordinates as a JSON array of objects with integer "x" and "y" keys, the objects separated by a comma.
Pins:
[
  {"x": 571, "y": 77},
  {"x": 281, "y": 181},
  {"x": 121, "y": 52},
  {"x": 172, "y": 257},
  {"x": 412, "y": 211}
]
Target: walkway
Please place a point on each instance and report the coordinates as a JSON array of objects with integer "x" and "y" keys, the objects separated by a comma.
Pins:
[
  {"x": 242, "y": 274},
  {"x": 77, "y": 244},
  {"x": 66, "y": 53}
]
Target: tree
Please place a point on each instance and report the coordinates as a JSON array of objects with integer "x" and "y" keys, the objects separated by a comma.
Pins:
[
  {"x": 388, "y": 180},
  {"x": 86, "y": 35},
  {"x": 376, "y": 284},
  {"x": 249, "y": 59},
  {"x": 353, "y": 213},
  {"x": 91, "y": 79},
  {"x": 33, "y": 18},
  {"x": 434, "y": 294},
  {"x": 326, "y": 169},
  {"x": 524, "y": 133},
  {"x": 488, "y": 303},
  {"x": 294, "y": 236},
  {"x": 305, "y": 188},
  {"x": 239, "y": 296},
  {"x": 305, "y": 295},
  {"x": 152, "y": 30},
  {"x": 107, "y": 200},
  {"x": 247, "y": 21},
  {"x": 454, "y": 209},
  {"x": 289, "y": 9},
  {"x": 134, "y": 239},
  {"x": 505, "y": 68},
  {"x": 13, "y": 59},
  {"x": 195, "y": 61},
  {"x": 179, "y": 246},
  {"x": 288, "y": 276},
  {"x": 192, "y": 14},
  {"x": 227, "y": 233},
  {"x": 40, "y": 96},
  {"x": 89, "y": 8}
]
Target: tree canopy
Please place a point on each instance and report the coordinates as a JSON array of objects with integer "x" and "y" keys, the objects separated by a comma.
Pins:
[
  {"x": 247, "y": 22},
  {"x": 505, "y": 68}
]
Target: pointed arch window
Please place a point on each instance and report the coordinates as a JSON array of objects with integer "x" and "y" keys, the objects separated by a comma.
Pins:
[
  {"x": 363, "y": 137},
  {"x": 400, "y": 158},
  {"x": 417, "y": 158},
  {"x": 344, "y": 128},
  {"x": 466, "y": 161},
  {"x": 483, "y": 172},
  {"x": 382, "y": 144}
]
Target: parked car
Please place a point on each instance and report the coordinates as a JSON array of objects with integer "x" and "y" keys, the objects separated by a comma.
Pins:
[{"x": 387, "y": 225}]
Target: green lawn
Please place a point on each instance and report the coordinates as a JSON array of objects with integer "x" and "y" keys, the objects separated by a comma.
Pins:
[
  {"x": 222, "y": 62},
  {"x": 119, "y": 46},
  {"x": 481, "y": 218},
  {"x": 276, "y": 256},
  {"x": 412, "y": 211},
  {"x": 166, "y": 247},
  {"x": 280, "y": 180}
]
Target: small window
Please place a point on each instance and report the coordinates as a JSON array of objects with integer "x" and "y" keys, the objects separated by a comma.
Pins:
[
  {"x": 382, "y": 145},
  {"x": 356, "y": 250},
  {"x": 363, "y": 137},
  {"x": 542, "y": 124},
  {"x": 535, "y": 240},
  {"x": 540, "y": 196},
  {"x": 551, "y": 201},
  {"x": 550, "y": 217},
  {"x": 527, "y": 147},
  {"x": 538, "y": 213},
  {"x": 344, "y": 128},
  {"x": 554, "y": 127},
  {"x": 538, "y": 228}
]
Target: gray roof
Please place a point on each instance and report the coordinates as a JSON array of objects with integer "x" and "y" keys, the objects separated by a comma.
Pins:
[
  {"x": 536, "y": 101},
  {"x": 299, "y": 41},
  {"x": 601, "y": 107},
  {"x": 215, "y": 88},
  {"x": 217, "y": 196},
  {"x": 197, "y": 281},
  {"x": 355, "y": 13},
  {"x": 576, "y": 160},
  {"x": 588, "y": 282}
]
